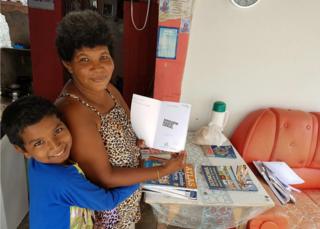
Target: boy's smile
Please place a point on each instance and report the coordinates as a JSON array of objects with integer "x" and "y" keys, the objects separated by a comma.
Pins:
[{"x": 48, "y": 141}]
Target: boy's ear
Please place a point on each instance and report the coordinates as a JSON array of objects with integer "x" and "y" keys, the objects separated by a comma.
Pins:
[
  {"x": 67, "y": 65},
  {"x": 20, "y": 150}
]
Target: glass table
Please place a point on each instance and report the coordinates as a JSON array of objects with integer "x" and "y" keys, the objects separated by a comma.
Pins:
[{"x": 213, "y": 208}]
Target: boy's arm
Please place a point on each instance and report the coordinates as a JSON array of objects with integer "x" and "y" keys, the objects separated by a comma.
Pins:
[{"x": 78, "y": 191}]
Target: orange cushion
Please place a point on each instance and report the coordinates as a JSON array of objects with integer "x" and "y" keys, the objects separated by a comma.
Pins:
[{"x": 276, "y": 134}]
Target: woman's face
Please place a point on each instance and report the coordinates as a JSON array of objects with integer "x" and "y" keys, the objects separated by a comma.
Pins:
[{"x": 91, "y": 68}]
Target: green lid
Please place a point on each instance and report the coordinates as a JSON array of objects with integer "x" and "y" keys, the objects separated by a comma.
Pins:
[{"x": 219, "y": 106}]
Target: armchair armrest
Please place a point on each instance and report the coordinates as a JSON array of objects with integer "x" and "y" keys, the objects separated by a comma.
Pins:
[{"x": 272, "y": 219}]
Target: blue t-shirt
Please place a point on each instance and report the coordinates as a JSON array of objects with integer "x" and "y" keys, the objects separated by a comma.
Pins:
[{"x": 55, "y": 188}]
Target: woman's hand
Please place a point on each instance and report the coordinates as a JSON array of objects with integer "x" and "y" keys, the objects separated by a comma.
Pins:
[
  {"x": 177, "y": 162},
  {"x": 140, "y": 143}
]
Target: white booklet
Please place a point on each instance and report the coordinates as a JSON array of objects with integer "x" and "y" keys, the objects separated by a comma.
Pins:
[{"x": 162, "y": 125}]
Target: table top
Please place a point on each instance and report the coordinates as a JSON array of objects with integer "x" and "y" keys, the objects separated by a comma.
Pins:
[
  {"x": 213, "y": 208},
  {"x": 208, "y": 197}
]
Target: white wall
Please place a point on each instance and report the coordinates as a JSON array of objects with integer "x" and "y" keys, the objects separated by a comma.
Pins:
[{"x": 267, "y": 55}]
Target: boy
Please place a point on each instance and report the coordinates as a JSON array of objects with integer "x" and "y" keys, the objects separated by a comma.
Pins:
[{"x": 33, "y": 125}]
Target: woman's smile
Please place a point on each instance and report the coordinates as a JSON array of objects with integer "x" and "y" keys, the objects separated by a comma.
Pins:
[{"x": 99, "y": 79}]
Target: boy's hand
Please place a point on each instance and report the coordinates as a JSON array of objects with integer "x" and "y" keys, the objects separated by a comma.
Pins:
[{"x": 177, "y": 162}]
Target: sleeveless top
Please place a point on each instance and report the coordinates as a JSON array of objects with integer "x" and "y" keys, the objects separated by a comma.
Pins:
[{"x": 120, "y": 142}]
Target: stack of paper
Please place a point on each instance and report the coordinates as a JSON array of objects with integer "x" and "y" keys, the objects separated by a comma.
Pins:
[
  {"x": 279, "y": 176},
  {"x": 283, "y": 172}
]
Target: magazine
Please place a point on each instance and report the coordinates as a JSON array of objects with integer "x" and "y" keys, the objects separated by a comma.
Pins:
[
  {"x": 182, "y": 182},
  {"x": 224, "y": 151},
  {"x": 162, "y": 125},
  {"x": 227, "y": 178}
]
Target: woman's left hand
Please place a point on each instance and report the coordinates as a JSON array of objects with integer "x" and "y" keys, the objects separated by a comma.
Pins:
[{"x": 140, "y": 143}]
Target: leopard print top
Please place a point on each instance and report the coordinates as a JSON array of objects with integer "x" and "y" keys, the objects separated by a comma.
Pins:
[{"x": 120, "y": 142}]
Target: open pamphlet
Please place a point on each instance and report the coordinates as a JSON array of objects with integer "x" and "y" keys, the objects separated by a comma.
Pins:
[
  {"x": 280, "y": 188},
  {"x": 180, "y": 184},
  {"x": 162, "y": 125},
  {"x": 229, "y": 178}
]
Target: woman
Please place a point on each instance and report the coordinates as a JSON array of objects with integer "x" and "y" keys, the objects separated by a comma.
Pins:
[{"x": 104, "y": 143}]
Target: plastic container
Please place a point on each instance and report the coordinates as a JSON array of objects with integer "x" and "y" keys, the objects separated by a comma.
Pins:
[{"x": 219, "y": 115}]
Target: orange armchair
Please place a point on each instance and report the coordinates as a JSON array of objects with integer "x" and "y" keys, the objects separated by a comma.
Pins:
[{"x": 291, "y": 136}]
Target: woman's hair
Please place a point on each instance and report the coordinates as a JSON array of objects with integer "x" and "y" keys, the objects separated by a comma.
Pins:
[
  {"x": 80, "y": 29},
  {"x": 25, "y": 112}
]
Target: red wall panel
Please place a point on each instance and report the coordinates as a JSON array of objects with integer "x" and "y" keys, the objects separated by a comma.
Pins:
[
  {"x": 47, "y": 71},
  {"x": 169, "y": 73},
  {"x": 139, "y": 50}
]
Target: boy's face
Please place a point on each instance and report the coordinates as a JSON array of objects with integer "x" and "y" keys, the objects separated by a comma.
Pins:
[{"x": 48, "y": 141}]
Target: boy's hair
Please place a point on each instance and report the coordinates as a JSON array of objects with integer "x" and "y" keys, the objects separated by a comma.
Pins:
[
  {"x": 25, "y": 112},
  {"x": 80, "y": 29}
]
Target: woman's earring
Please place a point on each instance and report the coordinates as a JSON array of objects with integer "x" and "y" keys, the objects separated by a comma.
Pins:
[{"x": 70, "y": 75}]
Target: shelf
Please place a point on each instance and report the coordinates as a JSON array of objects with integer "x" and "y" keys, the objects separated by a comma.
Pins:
[
  {"x": 15, "y": 49},
  {"x": 13, "y": 6}
]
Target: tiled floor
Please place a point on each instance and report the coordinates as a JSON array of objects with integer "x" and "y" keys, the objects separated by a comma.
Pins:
[{"x": 148, "y": 220}]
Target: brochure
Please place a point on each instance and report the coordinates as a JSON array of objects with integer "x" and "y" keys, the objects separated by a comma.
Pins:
[
  {"x": 162, "y": 125},
  {"x": 228, "y": 178},
  {"x": 224, "y": 151}
]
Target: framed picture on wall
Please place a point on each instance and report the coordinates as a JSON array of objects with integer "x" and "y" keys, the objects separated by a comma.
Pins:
[
  {"x": 41, "y": 4},
  {"x": 167, "y": 42},
  {"x": 185, "y": 25}
]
